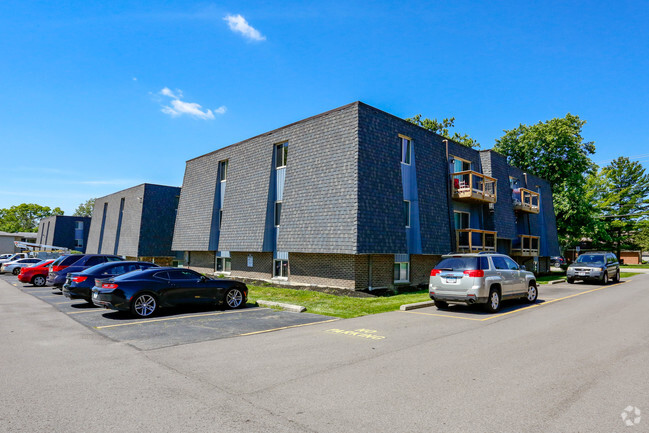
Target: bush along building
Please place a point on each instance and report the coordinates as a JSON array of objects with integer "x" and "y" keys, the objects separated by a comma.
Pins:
[
  {"x": 356, "y": 198},
  {"x": 64, "y": 231},
  {"x": 136, "y": 223}
]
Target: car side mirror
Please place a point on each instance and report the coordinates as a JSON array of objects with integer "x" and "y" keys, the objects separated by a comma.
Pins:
[
  {"x": 523, "y": 267},
  {"x": 203, "y": 278}
]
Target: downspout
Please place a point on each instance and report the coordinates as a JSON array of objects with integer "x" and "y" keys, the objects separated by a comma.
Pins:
[{"x": 449, "y": 183}]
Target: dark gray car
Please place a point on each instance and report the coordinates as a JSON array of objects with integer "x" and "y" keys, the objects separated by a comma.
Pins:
[{"x": 594, "y": 266}]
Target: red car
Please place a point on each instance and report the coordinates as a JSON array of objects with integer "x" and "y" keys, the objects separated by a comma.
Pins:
[{"x": 37, "y": 275}]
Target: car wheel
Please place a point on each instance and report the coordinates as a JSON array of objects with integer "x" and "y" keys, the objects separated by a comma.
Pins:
[
  {"x": 441, "y": 305},
  {"x": 144, "y": 305},
  {"x": 532, "y": 293},
  {"x": 234, "y": 298},
  {"x": 604, "y": 279},
  {"x": 493, "y": 303},
  {"x": 571, "y": 281},
  {"x": 16, "y": 271},
  {"x": 616, "y": 279},
  {"x": 39, "y": 281}
]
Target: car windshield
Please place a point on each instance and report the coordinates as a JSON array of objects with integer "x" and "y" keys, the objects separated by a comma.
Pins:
[
  {"x": 590, "y": 258},
  {"x": 458, "y": 264}
]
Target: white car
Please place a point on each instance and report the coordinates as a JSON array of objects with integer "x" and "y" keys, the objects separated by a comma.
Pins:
[
  {"x": 12, "y": 257},
  {"x": 15, "y": 266}
]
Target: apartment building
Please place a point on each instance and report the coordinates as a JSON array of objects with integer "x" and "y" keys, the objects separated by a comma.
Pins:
[
  {"x": 136, "y": 223},
  {"x": 64, "y": 231},
  {"x": 356, "y": 198}
]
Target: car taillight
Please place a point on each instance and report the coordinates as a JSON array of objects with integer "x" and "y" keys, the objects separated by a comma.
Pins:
[
  {"x": 435, "y": 272},
  {"x": 58, "y": 268},
  {"x": 108, "y": 286},
  {"x": 79, "y": 279},
  {"x": 475, "y": 273}
]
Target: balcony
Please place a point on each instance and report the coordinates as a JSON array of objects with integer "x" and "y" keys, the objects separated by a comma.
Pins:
[
  {"x": 527, "y": 246},
  {"x": 525, "y": 200},
  {"x": 475, "y": 241},
  {"x": 472, "y": 186}
]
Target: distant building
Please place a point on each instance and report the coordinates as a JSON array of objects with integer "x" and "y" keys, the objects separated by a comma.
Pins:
[
  {"x": 137, "y": 223},
  {"x": 64, "y": 231},
  {"x": 356, "y": 198},
  {"x": 7, "y": 245}
]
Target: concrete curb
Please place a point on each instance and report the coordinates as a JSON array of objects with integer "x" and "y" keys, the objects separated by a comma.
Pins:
[
  {"x": 414, "y": 306},
  {"x": 557, "y": 281},
  {"x": 286, "y": 307}
]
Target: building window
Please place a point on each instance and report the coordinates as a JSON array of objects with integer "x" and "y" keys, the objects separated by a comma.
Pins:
[
  {"x": 401, "y": 272},
  {"x": 220, "y": 218},
  {"x": 223, "y": 264},
  {"x": 78, "y": 243},
  {"x": 223, "y": 170},
  {"x": 406, "y": 149},
  {"x": 280, "y": 270},
  {"x": 281, "y": 152},
  {"x": 513, "y": 182},
  {"x": 78, "y": 225},
  {"x": 461, "y": 219},
  {"x": 460, "y": 164},
  {"x": 278, "y": 212},
  {"x": 406, "y": 211}
]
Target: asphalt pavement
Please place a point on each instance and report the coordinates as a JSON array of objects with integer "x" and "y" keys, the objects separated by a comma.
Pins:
[{"x": 571, "y": 363}]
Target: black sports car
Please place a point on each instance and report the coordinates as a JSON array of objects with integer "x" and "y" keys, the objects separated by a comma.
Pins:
[
  {"x": 78, "y": 285},
  {"x": 144, "y": 292}
]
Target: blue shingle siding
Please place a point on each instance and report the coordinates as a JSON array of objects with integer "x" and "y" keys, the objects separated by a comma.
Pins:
[
  {"x": 146, "y": 225},
  {"x": 502, "y": 218},
  {"x": 59, "y": 231}
]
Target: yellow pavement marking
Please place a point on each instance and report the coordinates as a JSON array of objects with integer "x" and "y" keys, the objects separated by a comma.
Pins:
[
  {"x": 287, "y": 327},
  {"x": 165, "y": 319},
  {"x": 518, "y": 309},
  {"x": 93, "y": 310}
]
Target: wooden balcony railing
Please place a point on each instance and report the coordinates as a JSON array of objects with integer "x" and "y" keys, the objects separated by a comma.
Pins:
[
  {"x": 526, "y": 200},
  {"x": 472, "y": 186},
  {"x": 475, "y": 241},
  {"x": 527, "y": 247}
]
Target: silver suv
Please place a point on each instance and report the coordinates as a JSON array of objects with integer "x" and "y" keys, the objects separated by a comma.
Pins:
[
  {"x": 597, "y": 266},
  {"x": 483, "y": 278}
]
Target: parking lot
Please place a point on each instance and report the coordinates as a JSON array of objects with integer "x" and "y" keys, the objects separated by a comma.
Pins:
[{"x": 173, "y": 326}]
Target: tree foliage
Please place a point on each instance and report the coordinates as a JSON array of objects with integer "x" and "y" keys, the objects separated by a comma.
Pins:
[
  {"x": 85, "y": 209},
  {"x": 556, "y": 151},
  {"x": 442, "y": 128},
  {"x": 620, "y": 192},
  {"x": 25, "y": 217}
]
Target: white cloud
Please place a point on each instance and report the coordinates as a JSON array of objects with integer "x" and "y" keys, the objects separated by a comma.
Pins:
[
  {"x": 178, "y": 107},
  {"x": 238, "y": 24}
]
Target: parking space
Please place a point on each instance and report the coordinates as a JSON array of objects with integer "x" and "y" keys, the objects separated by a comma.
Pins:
[
  {"x": 172, "y": 326},
  {"x": 548, "y": 294}
]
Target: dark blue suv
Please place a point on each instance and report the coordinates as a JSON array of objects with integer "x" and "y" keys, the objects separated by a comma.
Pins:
[{"x": 60, "y": 268}]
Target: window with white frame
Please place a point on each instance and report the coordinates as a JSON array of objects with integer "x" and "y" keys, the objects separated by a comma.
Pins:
[
  {"x": 406, "y": 212},
  {"x": 462, "y": 219},
  {"x": 460, "y": 164},
  {"x": 278, "y": 213},
  {"x": 280, "y": 270},
  {"x": 78, "y": 243},
  {"x": 281, "y": 153},
  {"x": 406, "y": 149},
  {"x": 223, "y": 170},
  {"x": 78, "y": 225},
  {"x": 401, "y": 272},
  {"x": 223, "y": 264}
]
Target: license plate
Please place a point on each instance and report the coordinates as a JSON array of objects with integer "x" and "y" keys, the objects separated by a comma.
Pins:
[
  {"x": 451, "y": 279},
  {"x": 95, "y": 295}
]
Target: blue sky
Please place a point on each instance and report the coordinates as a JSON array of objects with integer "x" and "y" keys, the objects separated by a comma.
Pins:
[{"x": 99, "y": 96}]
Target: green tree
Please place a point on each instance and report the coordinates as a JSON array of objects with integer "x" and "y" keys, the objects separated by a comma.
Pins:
[
  {"x": 442, "y": 128},
  {"x": 556, "y": 151},
  {"x": 621, "y": 193},
  {"x": 25, "y": 217},
  {"x": 85, "y": 209},
  {"x": 641, "y": 236}
]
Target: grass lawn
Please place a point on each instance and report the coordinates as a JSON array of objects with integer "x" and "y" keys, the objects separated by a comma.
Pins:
[
  {"x": 634, "y": 266},
  {"x": 628, "y": 274},
  {"x": 547, "y": 278},
  {"x": 333, "y": 305}
]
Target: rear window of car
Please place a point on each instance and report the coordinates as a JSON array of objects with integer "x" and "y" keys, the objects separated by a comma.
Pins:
[{"x": 460, "y": 264}]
